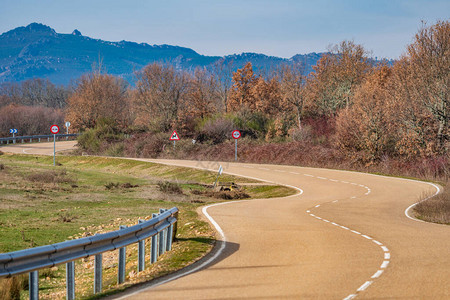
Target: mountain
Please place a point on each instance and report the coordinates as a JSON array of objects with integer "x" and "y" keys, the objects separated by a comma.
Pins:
[{"x": 38, "y": 50}]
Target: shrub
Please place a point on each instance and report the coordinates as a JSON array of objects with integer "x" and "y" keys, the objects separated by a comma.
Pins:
[
  {"x": 111, "y": 185},
  {"x": 216, "y": 130},
  {"x": 251, "y": 123},
  {"x": 170, "y": 187},
  {"x": 100, "y": 139},
  {"x": 301, "y": 135},
  {"x": 146, "y": 144}
]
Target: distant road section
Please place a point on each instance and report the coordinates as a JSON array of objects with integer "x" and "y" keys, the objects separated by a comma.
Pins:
[
  {"x": 346, "y": 236},
  {"x": 38, "y": 148}
]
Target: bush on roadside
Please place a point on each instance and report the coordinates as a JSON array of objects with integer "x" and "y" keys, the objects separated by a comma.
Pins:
[
  {"x": 146, "y": 144},
  {"x": 99, "y": 139},
  {"x": 170, "y": 187},
  {"x": 216, "y": 130}
]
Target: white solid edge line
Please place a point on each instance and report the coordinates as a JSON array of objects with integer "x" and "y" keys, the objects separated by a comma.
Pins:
[
  {"x": 349, "y": 297},
  {"x": 203, "y": 264},
  {"x": 219, "y": 230},
  {"x": 438, "y": 190}
]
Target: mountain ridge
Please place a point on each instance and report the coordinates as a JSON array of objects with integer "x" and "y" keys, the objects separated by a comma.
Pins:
[{"x": 37, "y": 50}]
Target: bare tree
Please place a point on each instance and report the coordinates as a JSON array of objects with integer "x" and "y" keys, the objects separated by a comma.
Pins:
[
  {"x": 293, "y": 88},
  {"x": 222, "y": 71},
  {"x": 158, "y": 96}
]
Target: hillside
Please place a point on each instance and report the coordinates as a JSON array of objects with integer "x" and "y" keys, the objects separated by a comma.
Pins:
[{"x": 38, "y": 50}]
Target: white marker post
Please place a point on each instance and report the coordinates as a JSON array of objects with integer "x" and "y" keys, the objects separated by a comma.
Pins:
[
  {"x": 218, "y": 174},
  {"x": 67, "y": 131},
  {"x": 174, "y": 137},
  {"x": 236, "y": 135},
  {"x": 54, "y": 129}
]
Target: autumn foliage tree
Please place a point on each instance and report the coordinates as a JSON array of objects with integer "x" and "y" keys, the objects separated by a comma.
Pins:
[
  {"x": 98, "y": 96},
  {"x": 241, "y": 96},
  {"x": 367, "y": 125},
  {"x": 336, "y": 77}
]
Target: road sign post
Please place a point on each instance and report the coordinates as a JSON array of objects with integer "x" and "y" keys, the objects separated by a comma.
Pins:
[
  {"x": 174, "y": 137},
  {"x": 13, "y": 131},
  {"x": 236, "y": 135},
  {"x": 54, "y": 129}
]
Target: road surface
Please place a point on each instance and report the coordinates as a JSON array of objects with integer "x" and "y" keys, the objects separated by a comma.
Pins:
[{"x": 344, "y": 235}]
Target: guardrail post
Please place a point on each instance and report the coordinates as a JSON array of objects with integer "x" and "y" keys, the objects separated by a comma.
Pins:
[
  {"x": 169, "y": 238},
  {"x": 48, "y": 139},
  {"x": 141, "y": 253},
  {"x": 33, "y": 285},
  {"x": 70, "y": 280},
  {"x": 98, "y": 271},
  {"x": 22, "y": 141},
  {"x": 162, "y": 243},
  {"x": 31, "y": 140},
  {"x": 122, "y": 262},
  {"x": 39, "y": 140},
  {"x": 154, "y": 251},
  {"x": 166, "y": 233}
]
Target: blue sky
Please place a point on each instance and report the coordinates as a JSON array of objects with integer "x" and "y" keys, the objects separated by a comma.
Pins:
[{"x": 215, "y": 27}]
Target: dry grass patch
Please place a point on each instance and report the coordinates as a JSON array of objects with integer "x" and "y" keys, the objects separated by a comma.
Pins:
[
  {"x": 435, "y": 209},
  {"x": 51, "y": 176}
]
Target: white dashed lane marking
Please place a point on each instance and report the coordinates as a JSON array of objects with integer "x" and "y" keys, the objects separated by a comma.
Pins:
[
  {"x": 377, "y": 274},
  {"x": 364, "y": 286},
  {"x": 387, "y": 255}
]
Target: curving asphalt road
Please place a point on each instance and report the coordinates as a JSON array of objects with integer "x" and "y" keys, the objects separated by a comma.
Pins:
[{"x": 344, "y": 235}]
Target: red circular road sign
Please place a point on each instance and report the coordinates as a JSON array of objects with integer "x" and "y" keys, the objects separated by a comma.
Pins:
[
  {"x": 54, "y": 129},
  {"x": 236, "y": 134}
]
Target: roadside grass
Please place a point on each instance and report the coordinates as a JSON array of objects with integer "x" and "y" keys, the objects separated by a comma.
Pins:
[
  {"x": 41, "y": 204},
  {"x": 435, "y": 209}
]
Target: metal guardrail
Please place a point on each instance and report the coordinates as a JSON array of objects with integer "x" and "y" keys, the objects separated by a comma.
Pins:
[
  {"x": 160, "y": 229},
  {"x": 35, "y": 137}
]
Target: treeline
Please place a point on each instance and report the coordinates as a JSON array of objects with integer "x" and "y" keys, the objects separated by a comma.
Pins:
[
  {"x": 365, "y": 111},
  {"x": 31, "y": 106}
]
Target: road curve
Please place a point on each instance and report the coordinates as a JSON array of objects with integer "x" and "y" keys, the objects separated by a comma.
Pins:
[{"x": 345, "y": 236}]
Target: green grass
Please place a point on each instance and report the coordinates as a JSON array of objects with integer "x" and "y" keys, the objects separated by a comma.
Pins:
[{"x": 76, "y": 202}]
